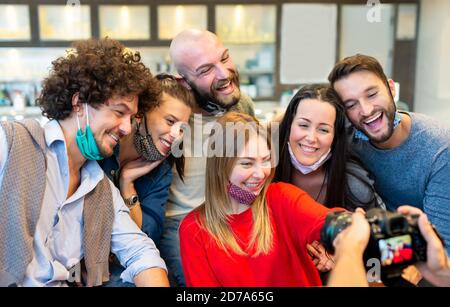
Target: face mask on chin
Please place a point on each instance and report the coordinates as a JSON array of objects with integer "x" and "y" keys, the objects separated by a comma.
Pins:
[
  {"x": 306, "y": 169},
  {"x": 144, "y": 145},
  {"x": 86, "y": 141},
  {"x": 240, "y": 195}
]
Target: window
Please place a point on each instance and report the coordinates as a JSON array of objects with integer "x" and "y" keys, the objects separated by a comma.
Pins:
[
  {"x": 125, "y": 22},
  {"x": 172, "y": 19},
  {"x": 14, "y": 23},
  {"x": 64, "y": 22}
]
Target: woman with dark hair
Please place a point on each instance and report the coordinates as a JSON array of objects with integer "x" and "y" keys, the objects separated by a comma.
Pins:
[
  {"x": 141, "y": 166},
  {"x": 142, "y": 162},
  {"x": 314, "y": 155}
]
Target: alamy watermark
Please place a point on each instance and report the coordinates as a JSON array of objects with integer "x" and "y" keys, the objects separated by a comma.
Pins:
[
  {"x": 374, "y": 13},
  {"x": 373, "y": 266},
  {"x": 211, "y": 139},
  {"x": 75, "y": 274},
  {"x": 73, "y": 3}
]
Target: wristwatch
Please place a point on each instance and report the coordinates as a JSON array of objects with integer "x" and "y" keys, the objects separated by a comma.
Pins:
[{"x": 131, "y": 201}]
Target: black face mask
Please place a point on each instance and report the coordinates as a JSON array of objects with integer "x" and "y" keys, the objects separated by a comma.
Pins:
[
  {"x": 208, "y": 102},
  {"x": 204, "y": 102},
  {"x": 144, "y": 145}
]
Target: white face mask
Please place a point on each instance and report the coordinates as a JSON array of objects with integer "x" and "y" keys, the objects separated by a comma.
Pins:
[{"x": 306, "y": 169}]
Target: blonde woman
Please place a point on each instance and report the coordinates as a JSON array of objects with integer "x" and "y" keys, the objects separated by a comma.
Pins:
[{"x": 249, "y": 232}]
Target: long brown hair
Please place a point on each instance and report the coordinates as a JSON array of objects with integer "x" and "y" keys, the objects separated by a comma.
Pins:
[
  {"x": 213, "y": 214},
  {"x": 336, "y": 187}
]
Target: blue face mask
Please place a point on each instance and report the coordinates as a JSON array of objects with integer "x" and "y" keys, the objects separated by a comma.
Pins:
[{"x": 86, "y": 141}]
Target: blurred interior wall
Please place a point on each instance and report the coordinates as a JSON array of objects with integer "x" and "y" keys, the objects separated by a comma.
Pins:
[{"x": 432, "y": 93}]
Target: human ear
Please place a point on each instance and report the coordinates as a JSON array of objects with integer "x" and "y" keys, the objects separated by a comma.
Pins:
[{"x": 182, "y": 80}]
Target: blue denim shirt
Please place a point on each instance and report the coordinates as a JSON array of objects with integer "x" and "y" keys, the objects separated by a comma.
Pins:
[{"x": 153, "y": 191}]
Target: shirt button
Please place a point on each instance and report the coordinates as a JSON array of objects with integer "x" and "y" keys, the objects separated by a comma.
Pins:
[{"x": 113, "y": 172}]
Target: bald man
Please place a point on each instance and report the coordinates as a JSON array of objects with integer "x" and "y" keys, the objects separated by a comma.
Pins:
[{"x": 205, "y": 66}]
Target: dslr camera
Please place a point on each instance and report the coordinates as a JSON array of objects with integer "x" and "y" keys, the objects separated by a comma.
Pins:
[{"x": 395, "y": 239}]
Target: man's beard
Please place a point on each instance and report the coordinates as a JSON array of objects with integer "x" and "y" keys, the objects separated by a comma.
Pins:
[
  {"x": 223, "y": 102},
  {"x": 104, "y": 152},
  {"x": 390, "y": 115}
]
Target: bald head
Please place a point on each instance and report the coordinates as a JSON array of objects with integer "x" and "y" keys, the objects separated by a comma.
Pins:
[
  {"x": 206, "y": 66},
  {"x": 190, "y": 44}
]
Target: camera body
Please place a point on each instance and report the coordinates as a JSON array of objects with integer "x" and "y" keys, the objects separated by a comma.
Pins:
[{"x": 395, "y": 239}]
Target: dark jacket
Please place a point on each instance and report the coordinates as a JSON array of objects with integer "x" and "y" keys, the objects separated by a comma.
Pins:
[{"x": 152, "y": 190}]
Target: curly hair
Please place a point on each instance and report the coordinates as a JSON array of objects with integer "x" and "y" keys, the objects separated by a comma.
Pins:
[{"x": 97, "y": 70}]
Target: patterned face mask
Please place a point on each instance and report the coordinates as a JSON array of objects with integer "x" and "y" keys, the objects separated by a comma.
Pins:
[
  {"x": 240, "y": 195},
  {"x": 144, "y": 145}
]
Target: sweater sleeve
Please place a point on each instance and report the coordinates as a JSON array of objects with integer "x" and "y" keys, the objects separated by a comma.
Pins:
[
  {"x": 196, "y": 266},
  {"x": 302, "y": 214},
  {"x": 361, "y": 190},
  {"x": 3, "y": 152},
  {"x": 436, "y": 202}
]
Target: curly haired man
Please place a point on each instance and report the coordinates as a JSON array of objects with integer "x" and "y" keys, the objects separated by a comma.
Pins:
[{"x": 60, "y": 213}]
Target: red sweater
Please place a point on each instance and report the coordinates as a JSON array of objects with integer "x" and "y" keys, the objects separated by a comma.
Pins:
[{"x": 296, "y": 220}]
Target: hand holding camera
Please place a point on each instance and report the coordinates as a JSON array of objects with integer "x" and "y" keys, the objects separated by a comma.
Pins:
[
  {"x": 354, "y": 238},
  {"x": 437, "y": 268},
  {"x": 396, "y": 240},
  {"x": 349, "y": 245}
]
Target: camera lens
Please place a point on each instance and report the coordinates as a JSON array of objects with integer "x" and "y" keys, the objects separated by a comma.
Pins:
[{"x": 335, "y": 222}]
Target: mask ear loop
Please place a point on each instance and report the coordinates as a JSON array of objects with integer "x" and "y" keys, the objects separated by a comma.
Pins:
[
  {"x": 87, "y": 114},
  {"x": 143, "y": 122},
  {"x": 145, "y": 125},
  {"x": 138, "y": 126},
  {"x": 78, "y": 123}
]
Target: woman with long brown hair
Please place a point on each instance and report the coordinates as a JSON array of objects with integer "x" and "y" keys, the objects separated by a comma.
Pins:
[
  {"x": 314, "y": 156},
  {"x": 142, "y": 163}
]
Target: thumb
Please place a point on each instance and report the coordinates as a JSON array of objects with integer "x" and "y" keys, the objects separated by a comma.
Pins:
[{"x": 426, "y": 229}]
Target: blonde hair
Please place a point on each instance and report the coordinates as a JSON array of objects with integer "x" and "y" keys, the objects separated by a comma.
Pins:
[{"x": 213, "y": 214}]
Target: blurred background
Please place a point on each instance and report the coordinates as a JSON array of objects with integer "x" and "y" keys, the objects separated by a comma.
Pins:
[{"x": 277, "y": 45}]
